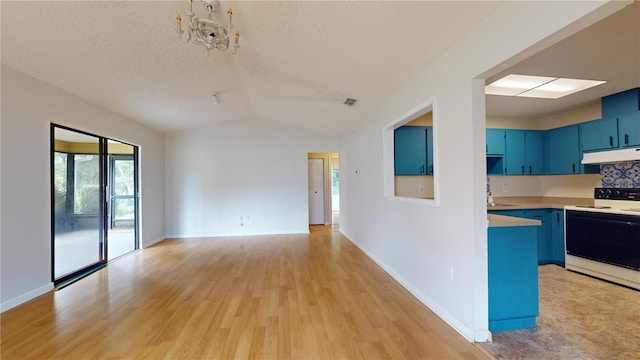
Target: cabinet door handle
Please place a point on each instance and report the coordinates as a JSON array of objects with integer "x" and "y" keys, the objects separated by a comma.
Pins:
[
  {"x": 626, "y": 139},
  {"x": 523, "y": 169},
  {"x": 431, "y": 169},
  {"x": 487, "y": 150},
  {"x": 610, "y": 140},
  {"x": 421, "y": 169},
  {"x": 557, "y": 217},
  {"x": 530, "y": 170},
  {"x": 574, "y": 168}
]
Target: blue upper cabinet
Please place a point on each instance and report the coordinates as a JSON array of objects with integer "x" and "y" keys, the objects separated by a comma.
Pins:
[
  {"x": 524, "y": 153},
  {"x": 534, "y": 152},
  {"x": 429, "y": 150},
  {"x": 410, "y": 150},
  {"x": 599, "y": 134},
  {"x": 625, "y": 107},
  {"x": 563, "y": 150},
  {"x": 514, "y": 152},
  {"x": 622, "y": 103},
  {"x": 495, "y": 142},
  {"x": 629, "y": 129}
]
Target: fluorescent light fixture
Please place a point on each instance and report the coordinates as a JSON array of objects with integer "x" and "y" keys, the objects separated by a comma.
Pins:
[
  {"x": 513, "y": 85},
  {"x": 538, "y": 86}
]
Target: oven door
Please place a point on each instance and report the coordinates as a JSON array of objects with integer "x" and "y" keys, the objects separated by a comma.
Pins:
[{"x": 610, "y": 238}]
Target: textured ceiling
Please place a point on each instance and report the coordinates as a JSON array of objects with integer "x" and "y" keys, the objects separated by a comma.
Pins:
[{"x": 297, "y": 63}]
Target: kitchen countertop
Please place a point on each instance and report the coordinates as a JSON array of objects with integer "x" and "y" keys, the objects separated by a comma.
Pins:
[
  {"x": 525, "y": 203},
  {"x": 510, "y": 221}
]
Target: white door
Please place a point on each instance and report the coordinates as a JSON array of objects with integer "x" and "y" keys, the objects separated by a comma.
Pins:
[{"x": 316, "y": 191}]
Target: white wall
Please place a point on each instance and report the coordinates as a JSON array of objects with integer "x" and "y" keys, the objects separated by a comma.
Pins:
[
  {"x": 409, "y": 186},
  {"x": 575, "y": 116},
  {"x": 420, "y": 244},
  {"x": 494, "y": 122},
  {"x": 28, "y": 108},
  {"x": 252, "y": 169}
]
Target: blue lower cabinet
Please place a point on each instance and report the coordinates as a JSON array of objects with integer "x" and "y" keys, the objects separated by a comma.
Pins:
[
  {"x": 513, "y": 277},
  {"x": 548, "y": 248},
  {"x": 516, "y": 213},
  {"x": 545, "y": 254},
  {"x": 557, "y": 237}
]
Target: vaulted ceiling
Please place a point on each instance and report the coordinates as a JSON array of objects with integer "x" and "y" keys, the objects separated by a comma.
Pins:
[{"x": 297, "y": 63}]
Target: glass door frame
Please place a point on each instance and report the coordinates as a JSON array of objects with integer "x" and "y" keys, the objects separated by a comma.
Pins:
[
  {"x": 103, "y": 199},
  {"x": 111, "y": 198}
]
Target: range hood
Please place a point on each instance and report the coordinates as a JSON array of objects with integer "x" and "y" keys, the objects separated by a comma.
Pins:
[{"x": 611, "y": 156}]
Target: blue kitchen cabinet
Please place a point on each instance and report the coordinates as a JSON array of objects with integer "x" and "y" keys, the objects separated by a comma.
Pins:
[
  {"x": 516, "y": 213},
  {"x": 513, "y": 278},
  {"x": 495, "y": 142},
  {"x": 543, "y": 235},
  {"x": 429, "y": 150},
  {"x": 629, "y": 129},
  {"x": 544, "y": 247},
  {"x": 534, "y": 152},
  {"x": 495, "y": 147},
  {"x": 557, "y": 236},
  {"x": 514, "y": 152},
  {"x": 524, "y": 152},
  {"x": 622, "y": 103},
  {"x": 563, "y": 150},
  {"x": 599, "y": 134},
  {"x": 410, "y": 150}
]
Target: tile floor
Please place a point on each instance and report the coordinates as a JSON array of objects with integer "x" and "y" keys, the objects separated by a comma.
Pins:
[{"x": 580, "y": 318}]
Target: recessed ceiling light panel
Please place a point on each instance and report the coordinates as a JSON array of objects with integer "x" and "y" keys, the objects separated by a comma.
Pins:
[
  {"x": 513, "y": 85},
  {"x": 538, "y": 86},
  {"x": 561, "y": 87}
]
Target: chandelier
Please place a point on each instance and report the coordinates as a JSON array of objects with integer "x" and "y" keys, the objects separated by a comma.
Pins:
[{"x": 207, "y": 32}]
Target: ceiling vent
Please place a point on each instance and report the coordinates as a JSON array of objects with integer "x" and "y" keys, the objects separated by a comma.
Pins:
[{"x": 350, "y": 102}]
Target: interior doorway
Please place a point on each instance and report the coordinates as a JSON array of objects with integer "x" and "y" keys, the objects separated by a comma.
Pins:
[
  {"x": 324, "y": 189},
  {"x": 334, "y": 167},
  {"x": 316, "y": 191}
]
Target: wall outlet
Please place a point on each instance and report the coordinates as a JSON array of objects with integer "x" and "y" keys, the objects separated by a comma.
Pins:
[
  {"x": 505, "y": 188},
  {"x": 420, "y": 189}
]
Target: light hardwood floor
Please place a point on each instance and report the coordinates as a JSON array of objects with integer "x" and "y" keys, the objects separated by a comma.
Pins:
[{"x": 274, "y": 297}]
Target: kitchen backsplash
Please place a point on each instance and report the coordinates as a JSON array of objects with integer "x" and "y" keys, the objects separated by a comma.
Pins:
[{"x": 621, "y": 175}]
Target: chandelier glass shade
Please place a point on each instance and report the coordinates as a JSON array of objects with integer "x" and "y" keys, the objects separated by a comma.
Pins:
[{"x": 208, "y": 32}]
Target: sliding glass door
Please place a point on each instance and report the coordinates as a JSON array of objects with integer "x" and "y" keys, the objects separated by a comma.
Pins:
[
  {"x": 94, "y": 201},
  {"x": 122, "y": 205}
]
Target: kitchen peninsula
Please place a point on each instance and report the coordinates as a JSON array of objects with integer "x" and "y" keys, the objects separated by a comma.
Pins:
[{"x": 513, "y": 272}]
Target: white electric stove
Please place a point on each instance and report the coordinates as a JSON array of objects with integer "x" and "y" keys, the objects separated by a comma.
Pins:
[{"x": 603, "y": 240}]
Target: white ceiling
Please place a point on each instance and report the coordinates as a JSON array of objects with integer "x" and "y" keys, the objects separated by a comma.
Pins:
[{"x": 297, "y": 63}]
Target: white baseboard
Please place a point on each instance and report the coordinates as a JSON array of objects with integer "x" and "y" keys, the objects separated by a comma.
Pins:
[
  {"x": 230, "y": 234},
  {"x": 153, "y": 242},
  {"x": 451, "y": 320},
  {"x": 25, "y": 297}
]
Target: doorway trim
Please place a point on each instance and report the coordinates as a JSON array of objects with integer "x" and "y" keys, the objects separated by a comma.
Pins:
[
  {"x": 103, "y": 231},
  {"x": 327, "y": 181}
]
